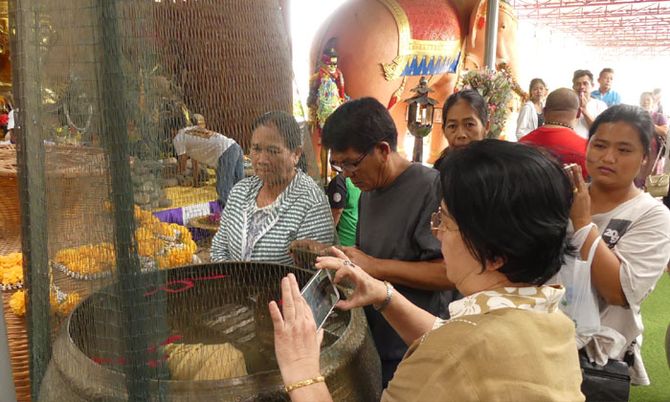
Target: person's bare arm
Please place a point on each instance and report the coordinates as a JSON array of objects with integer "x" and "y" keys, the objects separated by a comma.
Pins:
[
  {"x": 426, "y": 275},
  {"x": 605, "y": 266},
  {"x": 604, "y": 269},
  {"x": 337, "y": 213},
  {"x": 661, "y": 131},
  {"x": 297, "y": 344},
  {"x": 195, "y": 170},
  {"x": 181, "y": 162},
  {"x": 407, "y": 319}
]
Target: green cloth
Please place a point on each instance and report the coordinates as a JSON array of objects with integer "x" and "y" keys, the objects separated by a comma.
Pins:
[{"x": 346, "y": 227}]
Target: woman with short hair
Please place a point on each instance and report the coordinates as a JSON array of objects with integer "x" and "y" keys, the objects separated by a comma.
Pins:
[
  {"x": 265, "y": 213},
  {"x": 502, "y": 225}
]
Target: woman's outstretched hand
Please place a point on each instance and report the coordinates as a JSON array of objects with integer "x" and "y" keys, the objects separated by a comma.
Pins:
[
  {"x": 297, "y": 341},
  {"x": 367, "y": 290}
]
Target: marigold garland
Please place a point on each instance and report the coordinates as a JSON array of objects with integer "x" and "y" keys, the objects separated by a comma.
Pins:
[
  {"x": 17, "y": 302},
  {"x": 169, "y": 244},
  {"x": 11, "y": 269}
]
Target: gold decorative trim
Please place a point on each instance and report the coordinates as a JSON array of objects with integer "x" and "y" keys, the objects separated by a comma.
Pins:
[
  {"x": 434, "y": 48},
  {"x": 393, "y": 69},
  {"x": 402, "y": 23},
  {"x": 409, "y": 48}
]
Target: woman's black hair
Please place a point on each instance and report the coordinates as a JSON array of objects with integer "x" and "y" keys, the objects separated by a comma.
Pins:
[
  {"x": 637, "y": 117},
  {"x": 476, "y": 102},
  {"x": 534, "y": 82},
  {"x": 285, "y": 124},
  {"x": 474, "y": 99},
  {"x": 511, "y": 203},
  {"x": 288, "y": 129}
]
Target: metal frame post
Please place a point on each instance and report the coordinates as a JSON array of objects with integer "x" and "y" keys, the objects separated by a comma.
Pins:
[
  {"x": 32, "y": 184},
  {"x": 115, "y": 138},
  {"x": 491, "y": 34}
]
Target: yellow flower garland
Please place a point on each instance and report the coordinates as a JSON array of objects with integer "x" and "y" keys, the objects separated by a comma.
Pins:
[
  {"x": 17, "y": 303},
  {"x": 11, "y": 269},
  {"x": 154, "y": 240}
]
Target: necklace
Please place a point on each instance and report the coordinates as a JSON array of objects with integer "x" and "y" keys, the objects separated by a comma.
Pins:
[{"x": 558, "y": 123}]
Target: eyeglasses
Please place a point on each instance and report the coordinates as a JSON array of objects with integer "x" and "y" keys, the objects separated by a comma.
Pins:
[
  {"x": 348, "y": 166},
  {"x": 438, "y": 223},
  {"x": 436, "y": 220}
]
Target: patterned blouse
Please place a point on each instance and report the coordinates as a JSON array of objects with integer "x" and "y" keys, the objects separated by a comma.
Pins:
[
  {"x": 507, "y": 344},
  {"x": 536, "y": 298},
  {"x": 249, "y": 233}
]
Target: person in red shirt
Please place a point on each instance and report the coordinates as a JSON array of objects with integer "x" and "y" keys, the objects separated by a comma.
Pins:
[{"x": 557, "y": 135}]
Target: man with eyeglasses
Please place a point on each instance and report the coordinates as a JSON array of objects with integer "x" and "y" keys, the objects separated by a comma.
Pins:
[{"x": 394, "y": 242}]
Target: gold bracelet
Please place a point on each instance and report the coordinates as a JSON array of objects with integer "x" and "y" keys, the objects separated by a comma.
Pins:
[{"x": 305, "y": 383}]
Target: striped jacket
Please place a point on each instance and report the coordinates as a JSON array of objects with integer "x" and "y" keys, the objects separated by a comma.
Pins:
[{"x": 303, "y": 213}]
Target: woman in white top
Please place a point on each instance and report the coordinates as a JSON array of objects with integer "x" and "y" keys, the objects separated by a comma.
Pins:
[
  {"x": 631, "y": 227},
  {"x": 530, "y": 115}
]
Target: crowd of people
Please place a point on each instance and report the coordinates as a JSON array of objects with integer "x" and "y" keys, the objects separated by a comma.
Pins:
[
  {"x": 453, "y": 263},
  {"x": 591, "y": 103}
]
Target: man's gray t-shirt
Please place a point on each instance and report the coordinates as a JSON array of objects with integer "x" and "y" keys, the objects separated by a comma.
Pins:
[{"x": 394, "y": 223}]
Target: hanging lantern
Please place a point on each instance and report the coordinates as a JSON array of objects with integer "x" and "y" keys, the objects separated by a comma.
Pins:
[{"x": 420, "y": 110}]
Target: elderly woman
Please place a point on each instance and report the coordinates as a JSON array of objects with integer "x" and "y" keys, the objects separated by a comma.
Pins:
[
  {"x": 632, "y": 230},
  {"x": 502, "y": 225},
  {"x": 280, "y": 204},
  {"x": 466, "y": 119}
]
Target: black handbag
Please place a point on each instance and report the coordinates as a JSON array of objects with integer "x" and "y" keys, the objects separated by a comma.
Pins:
[{"x": 608, "y": 383}]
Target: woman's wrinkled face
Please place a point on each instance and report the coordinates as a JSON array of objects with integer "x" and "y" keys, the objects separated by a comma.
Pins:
[
  {"x": 272, "y": 160},
  {"x": 462, "y": 125},
  {"x": 615, "y": 155},
  {"x": 538, "y": 92},
  {"x": 460, "y": 264}
]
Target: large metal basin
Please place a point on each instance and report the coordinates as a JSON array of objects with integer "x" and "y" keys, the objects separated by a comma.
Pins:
[{"x": 88, "y": 355}]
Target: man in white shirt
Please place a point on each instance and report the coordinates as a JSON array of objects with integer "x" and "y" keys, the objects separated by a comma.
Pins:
[
  {"x": 589, "y": 108},
  {"x": 214, "y": 150}
]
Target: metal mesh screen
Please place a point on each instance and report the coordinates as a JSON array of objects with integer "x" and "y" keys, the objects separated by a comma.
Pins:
[{"x": 136, "y": 119}]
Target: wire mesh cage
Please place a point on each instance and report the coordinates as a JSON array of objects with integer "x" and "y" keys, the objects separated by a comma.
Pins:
[{"x": 134, "y": 118}]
